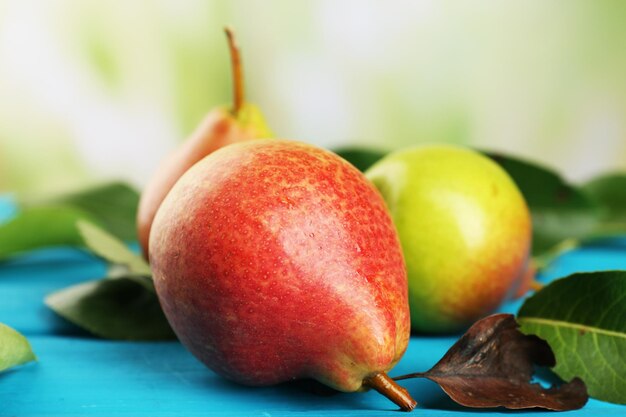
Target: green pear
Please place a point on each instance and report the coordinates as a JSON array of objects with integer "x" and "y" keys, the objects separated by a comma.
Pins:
[{"x": 464, "y": 227}]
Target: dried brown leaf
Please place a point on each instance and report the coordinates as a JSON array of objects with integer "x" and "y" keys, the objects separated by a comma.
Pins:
[{"x": 492, "y": 365}]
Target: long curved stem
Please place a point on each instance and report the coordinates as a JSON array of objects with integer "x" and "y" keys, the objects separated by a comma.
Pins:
[
  {"x": 388, "y": 387},
  {"x": 237, "y": 70}
]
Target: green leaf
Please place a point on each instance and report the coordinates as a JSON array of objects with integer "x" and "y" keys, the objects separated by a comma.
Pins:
[
  {"x": 609, "y": 191},
  {"x": 14, "y": 348},
  {"x": 583, "y": 319},
  {"x": 52, "y": 222},
  {"x": 114, "y": 205},
  {"x": 112, "y": 249},
  {"x": 39, "y": 227},
  {"x": 559, "y": 210},
  {"x": 361, "y": 158},
  {"x": 120, "y": 308}
]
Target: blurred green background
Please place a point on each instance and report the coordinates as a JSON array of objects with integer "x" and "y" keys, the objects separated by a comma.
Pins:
[{"x": 93, "y": 90}]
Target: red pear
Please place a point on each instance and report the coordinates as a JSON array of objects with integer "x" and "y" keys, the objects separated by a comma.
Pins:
[
  {"x": 276, "y": 260},
  {"x": 220, "y": 127}
]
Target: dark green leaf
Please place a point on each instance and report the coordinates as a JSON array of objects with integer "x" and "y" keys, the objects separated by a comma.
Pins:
[
  {"x": 114, "y": 205},
  {"x": 120, "y": 308},
  {"x": 361, "y": 158},
  {"x": 583, "y": 318},
  {"x": 559, "y": 210},
  {"x": 609, "y": 191},
  {"x": 14, "y": 348},
  {"x": 111, "y": 249},
  {"x": 39, "y": 227}
]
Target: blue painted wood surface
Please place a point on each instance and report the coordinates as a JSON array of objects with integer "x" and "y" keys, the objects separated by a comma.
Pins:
[{"x": 78, "y": 374}]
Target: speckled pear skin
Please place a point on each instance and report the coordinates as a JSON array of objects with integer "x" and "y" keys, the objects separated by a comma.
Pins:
[
  {"x": 465, "y": 231},
  {"x": 276, "y": 260}
]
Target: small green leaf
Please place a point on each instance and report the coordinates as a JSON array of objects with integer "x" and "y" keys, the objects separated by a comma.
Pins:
[
  {"x": 583, "y": 319},
  {"x": 39, "y": 227},
  {"x": 361, "y": 158},
  {"x": 120, "y": 308},
  {"x": 559, "y": 210},
  {"x": 111, "y": 249},
  {"x": 114, "y": 205},
  {"x": 609, "y": 191},
  {"x": 14, "y": 348}
]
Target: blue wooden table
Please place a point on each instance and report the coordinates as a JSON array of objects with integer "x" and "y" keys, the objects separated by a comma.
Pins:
[{"x": 78, "y": 374}]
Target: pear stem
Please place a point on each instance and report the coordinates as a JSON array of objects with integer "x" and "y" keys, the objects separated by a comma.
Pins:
[
  {"x": 237, "y": 71},
  {"x": 388, "y": 387}
]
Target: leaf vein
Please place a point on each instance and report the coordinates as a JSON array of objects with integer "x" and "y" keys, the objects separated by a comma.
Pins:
[
  {"x": 576, "y": 326},
  {"x": 603, "y": 358}
]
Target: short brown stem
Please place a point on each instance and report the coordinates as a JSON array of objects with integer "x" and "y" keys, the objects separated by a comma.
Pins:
[
  {"x": 237, "y": 71},
  {"x": 388, "y": 387}
]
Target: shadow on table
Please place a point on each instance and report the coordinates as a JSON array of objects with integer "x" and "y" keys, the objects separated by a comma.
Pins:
[
  {"x": 311, "y": 395},
  {"x": 301, "y": 395},
  {"x": 177, "y": 374}
]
